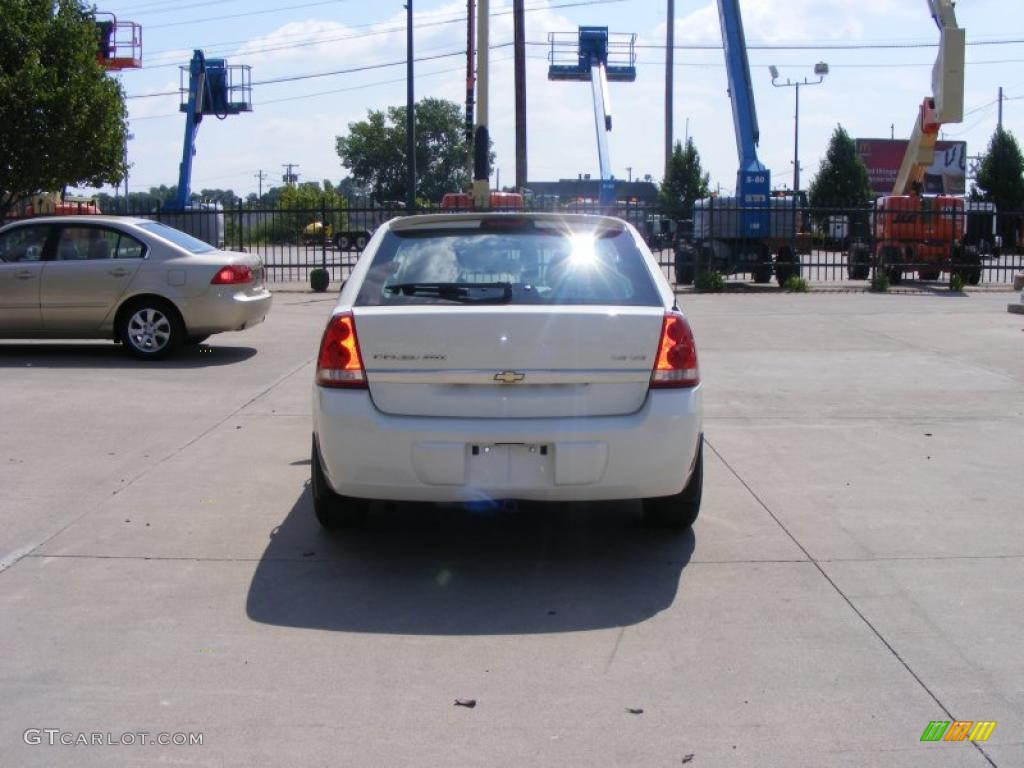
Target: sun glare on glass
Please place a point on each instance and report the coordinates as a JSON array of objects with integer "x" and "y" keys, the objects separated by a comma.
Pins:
[{"x": 583, "y": 252}]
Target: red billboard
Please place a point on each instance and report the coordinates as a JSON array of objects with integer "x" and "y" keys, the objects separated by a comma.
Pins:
[{"x": 947, "y": 175}]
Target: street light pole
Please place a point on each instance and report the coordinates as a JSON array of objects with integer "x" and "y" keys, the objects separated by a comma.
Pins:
[{"x": 820, "y": 69}]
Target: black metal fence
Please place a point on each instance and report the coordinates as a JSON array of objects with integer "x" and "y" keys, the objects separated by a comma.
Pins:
[
  {"x": 918, "y": 240},
  {"x": 926, "y": 239}
]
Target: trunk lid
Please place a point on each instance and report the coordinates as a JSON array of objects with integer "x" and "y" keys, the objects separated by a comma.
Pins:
[{"x": 508, "y": 360}]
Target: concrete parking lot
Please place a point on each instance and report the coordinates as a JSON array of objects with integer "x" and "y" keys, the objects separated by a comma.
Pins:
[{"x": 856, "y": 571}]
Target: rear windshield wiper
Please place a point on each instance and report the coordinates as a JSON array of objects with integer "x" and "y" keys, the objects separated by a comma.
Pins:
[{"x": 464, "y": 292}]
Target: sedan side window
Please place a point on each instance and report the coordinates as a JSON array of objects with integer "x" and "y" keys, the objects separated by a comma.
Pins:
[
  {"x": 92, "y": 243},
  {"x": 23, "y": 244},
  {"x": 128, "y": 248}
]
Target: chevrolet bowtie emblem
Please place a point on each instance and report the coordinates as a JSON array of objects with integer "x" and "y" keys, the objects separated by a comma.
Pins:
[{"x": 509, "y": 377}]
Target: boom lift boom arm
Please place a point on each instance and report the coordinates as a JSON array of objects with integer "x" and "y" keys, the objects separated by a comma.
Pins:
[{"x": 945, "y": 105}]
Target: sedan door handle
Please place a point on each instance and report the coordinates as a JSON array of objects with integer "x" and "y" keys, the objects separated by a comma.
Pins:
[
  {"x": 119, "y": 272},
  {"x": 25, "y": 274}
]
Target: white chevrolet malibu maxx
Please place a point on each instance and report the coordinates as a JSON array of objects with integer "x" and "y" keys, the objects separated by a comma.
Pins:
[{"x": 507, "y": 356}]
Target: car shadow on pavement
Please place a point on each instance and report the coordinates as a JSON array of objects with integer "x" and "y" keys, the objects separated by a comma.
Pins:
[
  {"x": 110, "y": 355},
  {"x": 451, "y": 570}
]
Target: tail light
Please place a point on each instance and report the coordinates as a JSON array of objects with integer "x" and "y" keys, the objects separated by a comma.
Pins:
[
  {"x": 339, "y": 363},
  {"x": 232, "y": 274},
  {"x": 676, "y": 364}
]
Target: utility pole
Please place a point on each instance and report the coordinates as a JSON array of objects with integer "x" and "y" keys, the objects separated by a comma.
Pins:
[
  {"x": 629, "y": 173},
  {"x": 519, "y": 46},
  {"x": 670, "y": 41},
  {"x": 290, "y": 176},
  {"x": 1000, "y": 107},
  {"x": 410, "y": 114},
  {"x": 260, "y": 175},
  {"x": 470, "y": 82},
  {"x": 482, "y": 139}
]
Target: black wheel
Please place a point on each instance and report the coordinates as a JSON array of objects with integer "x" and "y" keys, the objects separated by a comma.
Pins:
[
  {"x": 972, "y": 271},
  {"x": 787, "y": 265},
  {"x": 196, "y": 340},
  {"x": 333, "y": 511},
  {"x": 150, "y": 328},
  {"x": 761, "y": 273},
  {"x": 681, "y": 510},
  {"x": 685, "y": 270},
  {"x": 890, "y": 263},
  {"x": 361, "y": 241},
  {"x": 342, "y": 242}
]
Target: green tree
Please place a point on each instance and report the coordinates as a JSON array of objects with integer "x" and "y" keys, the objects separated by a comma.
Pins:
[
  {"x": 1001, "y": 181},
  {"x": 62, "y": 120},
  {"x": 374, "y": 151},
  {"x": 684, "y": 184},
  {"x": 307, "y": 202},
  {"x": 842, "y": 179}
]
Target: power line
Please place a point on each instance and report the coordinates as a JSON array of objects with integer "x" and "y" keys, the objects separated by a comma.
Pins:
[
  {"x": 306, "y": 40},
  {"x": 316, "y": 94},
  {"x": 348, "y": 71},
  {"x": 246, "y": 13}
]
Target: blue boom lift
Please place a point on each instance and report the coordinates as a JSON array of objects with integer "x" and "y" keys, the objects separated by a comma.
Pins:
[
  {"x": 594, "y": 56},
  {"x": 741, "y": 233},
  {"x": 214, "y": 88}
]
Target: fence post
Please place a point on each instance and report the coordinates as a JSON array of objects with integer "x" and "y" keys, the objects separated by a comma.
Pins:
[{"x": 323, "y": 232}]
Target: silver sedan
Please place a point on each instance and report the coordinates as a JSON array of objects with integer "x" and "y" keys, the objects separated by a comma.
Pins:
[{"x": 142, "y": 283}]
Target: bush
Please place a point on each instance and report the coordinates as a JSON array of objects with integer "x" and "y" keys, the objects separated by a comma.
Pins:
[
  {"x": 795, "y": 284},
  {"x": 319, "y": 279},
  {"x": 956, "y": 282},
  {"x": 880, "y": 282},
  {"x": 709, "y": 281}
]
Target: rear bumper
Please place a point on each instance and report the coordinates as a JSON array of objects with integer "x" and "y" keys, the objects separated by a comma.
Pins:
[
  {"x": 368, "y": 454},
  {"x": 224, "y": 309}
]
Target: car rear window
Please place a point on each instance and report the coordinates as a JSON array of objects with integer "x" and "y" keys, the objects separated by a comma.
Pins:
[
  {"x": 528, "y": 266},
  {"x": 177, "y": 237}
]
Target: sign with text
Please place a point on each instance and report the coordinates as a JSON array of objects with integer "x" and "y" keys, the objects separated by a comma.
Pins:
[{"x": 947, "y": 175}]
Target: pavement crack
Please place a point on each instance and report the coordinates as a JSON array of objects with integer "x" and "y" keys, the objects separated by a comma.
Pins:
[{"x": 817, "y": 564}]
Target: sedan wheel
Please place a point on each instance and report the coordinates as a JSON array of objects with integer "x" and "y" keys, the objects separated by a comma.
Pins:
[
  {"x": 150, "y": 330},
  {"x": 681, "y": 510}
]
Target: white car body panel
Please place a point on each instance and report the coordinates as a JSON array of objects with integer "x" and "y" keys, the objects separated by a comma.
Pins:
[{"x": 438, "y": 423}]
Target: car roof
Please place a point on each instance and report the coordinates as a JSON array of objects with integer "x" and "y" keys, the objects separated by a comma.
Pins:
[
  {"x": 80, "y": 219},
  {"x": 446, "y": 220}
]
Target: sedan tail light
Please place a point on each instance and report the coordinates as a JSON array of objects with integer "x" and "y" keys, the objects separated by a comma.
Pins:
[
  {"x": 339, "y": 363},
  {"x": 676, "y": 364},
  {"x": 232, "y": 274}
]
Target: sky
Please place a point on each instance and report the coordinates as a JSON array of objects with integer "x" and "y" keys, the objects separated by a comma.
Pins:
[{"x": 871, "y": 92}]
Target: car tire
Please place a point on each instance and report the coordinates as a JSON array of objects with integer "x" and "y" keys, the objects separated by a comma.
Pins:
[
  {"x": 342, "y": 242},
  {"x": 680, "y": 510},
  {"x": 787, "y": 265},
  {"x": 150, "y": 328},
  {"x": 333, "y": 511}
]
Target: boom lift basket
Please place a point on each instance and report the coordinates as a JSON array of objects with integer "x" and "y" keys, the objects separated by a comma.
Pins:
[
  {"x": 120, "y": 43},
  {"x": 572, "y": 53},
  {"x": 227, "y": 90}
]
